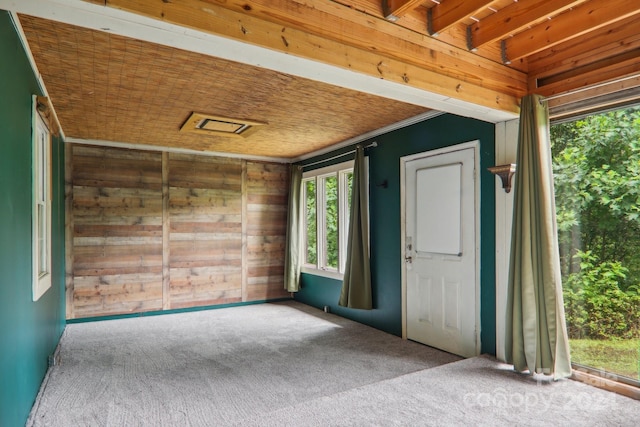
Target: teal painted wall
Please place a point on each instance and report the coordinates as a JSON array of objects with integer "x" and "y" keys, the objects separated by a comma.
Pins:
[
  {"x": 384, "y": 208},
  {"x": 29, "y": 331}
]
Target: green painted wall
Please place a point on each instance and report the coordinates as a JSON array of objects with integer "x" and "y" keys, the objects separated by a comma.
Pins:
[
  {"x": 29, "y": 331},
  {"x": 384, "y": 205}
]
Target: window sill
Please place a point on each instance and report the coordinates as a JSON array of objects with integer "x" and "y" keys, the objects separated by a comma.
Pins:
[
  {"x": 323, "y": 273},
  {"x": 606, "y": 383}
]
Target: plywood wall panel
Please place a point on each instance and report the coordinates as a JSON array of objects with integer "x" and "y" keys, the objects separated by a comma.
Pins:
[
  {"x": 267, "y": 189},
  {"x": 158, "y": 231},
  {"x": 117, "y": 231},
  {"x": 205, "y": 241},
  {"x": 202, "y": 172}
]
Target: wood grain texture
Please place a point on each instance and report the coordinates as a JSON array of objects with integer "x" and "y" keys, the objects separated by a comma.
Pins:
[
  {"x": 160, "y": 231},
  {"x": 583, "y": 19},
  {"x": 166, "y": 230},
  {"x": 622, "y": 37},
  {"x": 514, "y": 18},
  {"x": 267, "y": 189},
  {"x": 447, "y": 14},
  {"x": 117, "y": 246},
  {"x": 245, "y": 248},
  {"x": 68, "y": 230},
  {"x": 326, "y": 32},
  {"x": 113, "y": 88},
  {"x": 106, "y": 86},
  {"x": 205, "y": 243}
]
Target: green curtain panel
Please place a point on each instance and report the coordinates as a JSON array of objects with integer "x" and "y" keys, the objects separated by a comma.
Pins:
[
  {"x": 536, "y": 331},
  {"x": 294, "y": 232},
  {"x": 356, "y": 284}
]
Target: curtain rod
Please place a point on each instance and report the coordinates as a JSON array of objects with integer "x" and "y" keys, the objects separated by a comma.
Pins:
[
  {"x": 582, "y": 89},
  {"x": 373, "y": 144}
]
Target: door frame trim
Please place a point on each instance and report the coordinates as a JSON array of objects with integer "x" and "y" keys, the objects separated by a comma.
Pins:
[{"x": 475, "y": 145}]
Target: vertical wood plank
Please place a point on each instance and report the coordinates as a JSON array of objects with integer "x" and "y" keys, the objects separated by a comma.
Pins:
[
  {"x": 266, "y": 221},
  {"x": 205, "y": 209},
  {"x": 245, "y": 288},
  {"x": 166, "y": 249},
  {"x": 68, "y": 229},
  {"x": 116, "y": 231},
  {"x": 158, "y": 231}
]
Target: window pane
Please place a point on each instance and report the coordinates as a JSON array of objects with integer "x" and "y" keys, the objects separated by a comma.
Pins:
[
  {"x": 349, "y": 193},
  {"x": 596, "y": 164},
  {"x": 42, "y": 168},
  {"x": 331, "y": 221},
  {"x": 42, "y": 239},
  {"x": 349, "y": 187},
  {"x": 311, "y": 256},
  {"x": 346, "y": 191}
]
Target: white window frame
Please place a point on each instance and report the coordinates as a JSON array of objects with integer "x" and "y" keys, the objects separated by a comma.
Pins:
[
  {"x": 41, "y": 194},
  {"x": 340, "y": 171}
]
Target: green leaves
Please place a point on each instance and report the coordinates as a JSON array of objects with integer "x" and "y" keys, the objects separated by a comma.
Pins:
[
  {"x": 597, "y": 182},
  {"x": 595, "y": 306},
  {"x": 331, "y": 218},
  {"x": 311, "y": 222}
]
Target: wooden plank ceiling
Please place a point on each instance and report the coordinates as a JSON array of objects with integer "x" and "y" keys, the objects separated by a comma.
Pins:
[
  {"x": 481, "y": 53},
  {"x": 562, "y": 45}
]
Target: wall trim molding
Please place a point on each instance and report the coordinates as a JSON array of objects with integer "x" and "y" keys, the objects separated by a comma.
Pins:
[
  {"x": 149, "y": 147},
  {"x": 373, "y": 134}
]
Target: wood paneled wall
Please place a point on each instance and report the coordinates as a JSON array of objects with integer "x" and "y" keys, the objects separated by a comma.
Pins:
[
  {"x": 159, "y": 231},
  {"x": 266, "y": 213},
  {"x": 205, "y": 215}
]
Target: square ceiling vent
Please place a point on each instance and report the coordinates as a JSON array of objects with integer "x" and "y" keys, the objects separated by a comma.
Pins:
[{"x": 207, "y": 124}]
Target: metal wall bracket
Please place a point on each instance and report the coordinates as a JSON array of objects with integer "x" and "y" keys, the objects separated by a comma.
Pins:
[
  {"x": 503, "y": 52},
  {"x": 386, "y": 11},
  {"x": 430, "y": 30},
  {"x": 470, "y": 45},
  {"x": 505, "y": 172}
]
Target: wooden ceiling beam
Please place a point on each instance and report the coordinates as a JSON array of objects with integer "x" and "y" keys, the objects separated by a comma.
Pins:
[
  {"x": 332, "y": 34},
  {"x": 629, "y": 57},
  {"x": 620, "y": 91},
  {"x": 583, "y": 19},
  {"x": 514, "y": 18},
  {"x": 351, "y": 27},
  {"x": 619, "y": 37},
  {"x": 396, "y": 9},
  {"x": 450, "y": 12},
  {"x": 626, "y": 65}
]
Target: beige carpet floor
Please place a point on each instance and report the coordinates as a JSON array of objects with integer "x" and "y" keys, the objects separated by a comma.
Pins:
[{"x": 288, "y": 364}]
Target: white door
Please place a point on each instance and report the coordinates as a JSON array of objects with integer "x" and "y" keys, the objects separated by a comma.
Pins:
[{"x": 442, "y": 291}]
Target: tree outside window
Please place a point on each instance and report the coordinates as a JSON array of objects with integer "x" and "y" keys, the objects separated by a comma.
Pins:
[
  {"x": 597, "y": 181},
  {"x": 327, "y": 202}
]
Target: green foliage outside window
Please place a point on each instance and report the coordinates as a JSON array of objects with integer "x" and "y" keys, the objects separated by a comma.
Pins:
[
  {"x": 333, "y": 188},
  {"x": 331, "y": 220},
  {"x": 597, "y": 182},
  {"x": 310, "y": 221}
]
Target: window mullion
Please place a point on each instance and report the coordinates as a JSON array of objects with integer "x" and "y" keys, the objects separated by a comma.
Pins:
[
  {"x": 321, "y": 223},
  {"x": 342, "y": 209}
]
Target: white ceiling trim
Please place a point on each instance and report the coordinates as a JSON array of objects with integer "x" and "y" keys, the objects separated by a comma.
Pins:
[
  {"x": 34, "y": 67},
  {"x": 369, "y": 135},
  {"x": 149, "y": 147},
  {"x": 108, "y": 19}
]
